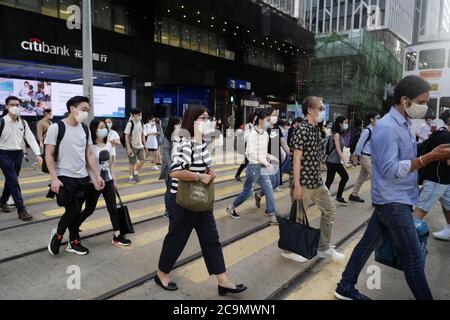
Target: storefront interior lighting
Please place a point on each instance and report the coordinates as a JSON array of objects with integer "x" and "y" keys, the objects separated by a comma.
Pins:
[{"x": 77, "y": 80}]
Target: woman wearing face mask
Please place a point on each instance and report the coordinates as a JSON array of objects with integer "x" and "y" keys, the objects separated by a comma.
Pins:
[
  {"x": 113, "y": 139},
  {"x": 102, "y": 152},
  {"x": 259, "y": 168},
  {"x": 151, "y": 132},
  {"x": 167, "y": 147},
  {"x": 192, "y": 162},
  {"x": 335, "y": 159}
]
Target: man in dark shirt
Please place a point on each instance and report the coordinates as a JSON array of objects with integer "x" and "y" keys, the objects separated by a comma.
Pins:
[{"x": 436, "y": 180}]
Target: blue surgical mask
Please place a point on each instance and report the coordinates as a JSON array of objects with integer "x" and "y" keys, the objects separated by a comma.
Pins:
[
  {"x": 266, "y": 125},
  {"x": 102, "y": 133}
]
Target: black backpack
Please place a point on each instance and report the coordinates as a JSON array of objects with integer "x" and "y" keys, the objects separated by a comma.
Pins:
[
  {"x": 61, "y": 133},
  {"x": 122, "y": 138},
  {"x": 425, "y": 148}
]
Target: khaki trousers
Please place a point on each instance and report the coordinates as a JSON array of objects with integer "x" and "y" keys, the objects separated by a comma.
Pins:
[{"x": 364, "y": 174}]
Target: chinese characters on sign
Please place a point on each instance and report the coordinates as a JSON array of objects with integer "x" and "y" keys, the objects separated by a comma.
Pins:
[{"x": 95, "y": 56}]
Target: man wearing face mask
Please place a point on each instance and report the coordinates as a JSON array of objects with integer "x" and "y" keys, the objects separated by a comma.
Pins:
[
  {"x": 363, "y": 155},
  {"x": 308, "y": 152},
  {"x": 424, "y": 131},
  {"x": 135, "y": 144},
  {"x": 14, "y": 131},
  {"x": 43, "y": 125},
  {"x": 395, "y": 191},
  {"x": 68, "y": 159}
]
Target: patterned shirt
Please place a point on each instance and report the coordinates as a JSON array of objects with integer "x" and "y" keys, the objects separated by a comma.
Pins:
[
  {"x": 306, "y": 138},
  {"x": 188, "y": 155}
]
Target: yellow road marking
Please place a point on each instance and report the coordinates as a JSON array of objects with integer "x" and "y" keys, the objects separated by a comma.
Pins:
[
  {"x": 242, "y": 249},
  {"x": 136, "y": 196}
]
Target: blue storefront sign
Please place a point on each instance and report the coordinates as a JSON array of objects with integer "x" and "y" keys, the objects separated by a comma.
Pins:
[{"x": 239, "y": 84}]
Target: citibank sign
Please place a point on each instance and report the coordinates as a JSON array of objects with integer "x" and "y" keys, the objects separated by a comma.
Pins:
[{"x": 37, "y": 45}]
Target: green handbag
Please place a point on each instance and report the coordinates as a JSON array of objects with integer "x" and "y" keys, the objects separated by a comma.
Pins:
[{"x": 195, "y": 196}]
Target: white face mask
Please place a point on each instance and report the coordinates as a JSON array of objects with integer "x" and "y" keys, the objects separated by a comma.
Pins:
[
  {"x": 109, "y": 125},
  {"x": 102, "y": 133},
  {"x": 51, "y": 117},
  {"x": 82, "y": 116},
  {"x": 416, "y": 111},
  {"x": 14, "y": 111},
  {"x": 177, "y": 127},
  {"x": 345, "y": 127},
  {"x": 320, "y": 117},
  {"x": 273, "y": 120}
]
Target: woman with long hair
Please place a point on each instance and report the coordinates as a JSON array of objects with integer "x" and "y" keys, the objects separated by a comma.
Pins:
[
  {"x": 335, "y": 157},
  {"x": 151, "y": 133},
  {"x": 192, "y": 162},
  {"x": 167, "y": 147}
]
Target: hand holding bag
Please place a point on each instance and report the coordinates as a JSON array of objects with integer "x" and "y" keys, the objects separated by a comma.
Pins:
[
  {"x": 126, "y": 225},
  {"x": 298, "y": 238}
]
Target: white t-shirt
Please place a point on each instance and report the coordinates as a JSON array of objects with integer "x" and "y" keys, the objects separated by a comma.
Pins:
[
  {"x": 136, "y": 135},
  {"x": 152, "y": 142},
  {"x": 113, "y": 136},
  {"x": 424, "y": 132},
  {"x": 102, "y": 157},
  {"x": 72, "y": 150}
]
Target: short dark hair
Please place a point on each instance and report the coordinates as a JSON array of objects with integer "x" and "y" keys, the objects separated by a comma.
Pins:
[
  {"x": 136, "y": 111},
  {"x": 171, "y": 128},
  {"x": 11, "y": 98},
  {"x": 76, "y": 101},
  {"x": 429, "y": 117},
  {"x": 411, "y": 87},
  {"x": 337, "y": 125},
  {"x": 47, "y": 111},
  {"x": 94, "y": 127},
  {"x": 190, "y": 116},
  {"x": 445, "y": 116},
  {"x": 263, "y": 113},
  {"x": 372, "y": 115},
  {"x": 358, "y": 123}
]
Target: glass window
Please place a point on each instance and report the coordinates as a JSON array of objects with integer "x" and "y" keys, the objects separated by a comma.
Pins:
[
  {"x": 411, "y": 61},
  {"x": 196, "y": 38},
  {"x": 432, "y": 59},
  {"x": 444, "y": 104},
  {"x": 174, "y": 39},
  {"x": 204, "y": 48},
  {"x": 10, "y": 3},
  {"x": 213, "y": 45},
  {"x": 29, "y": 5},
  {"x": 101, "y": 13},
  {"x": 165, "y": 32},
  {"x": 186, "y": 37},
  {"x": 50, "y": 8},
  {"x": 64, "y": 13},
  {"x": 121, "y": 24}
]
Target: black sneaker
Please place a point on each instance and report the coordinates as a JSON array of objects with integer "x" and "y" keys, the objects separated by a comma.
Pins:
[
  {"x": 77, "y": 248},
  {"x": 257, "y": 200},
  {"x": 355, "y": 199},
  {"x": 55, "y": 243},
  {"x": 121, "y": 241},
  {"x": 349, "y": 295},
  {"x": 238, "y": 179},
  {"x": 233, "y": 214},
  {"x": 342, "y": 201},
  {"x": 136, "y": 178}
]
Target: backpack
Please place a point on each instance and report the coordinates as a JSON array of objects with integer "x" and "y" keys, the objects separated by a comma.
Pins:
[
  {"x": 329, "y": 141},
  {"x": 368, "y": 139},
  {"x": 122, "y": 138},
  {"x": 2, "y": 126},
  {"x": 425, "y": 148},
  {"x": 61, "y": 133}
]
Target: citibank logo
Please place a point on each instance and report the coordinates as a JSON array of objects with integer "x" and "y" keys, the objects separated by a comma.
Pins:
[{"x": 37, "y": 45}]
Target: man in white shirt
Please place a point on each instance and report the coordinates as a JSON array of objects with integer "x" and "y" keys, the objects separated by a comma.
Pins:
[
  {"x": 424, "y": 131},
  {"x": 114, "y": 139},
  {"x": 68, "y": 161},
  {"x": 14, "y": 132},
  {"x": 136, "y": 148}
]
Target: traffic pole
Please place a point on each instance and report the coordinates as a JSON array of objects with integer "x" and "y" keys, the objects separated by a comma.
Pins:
[{"x": 88, "y": 72}]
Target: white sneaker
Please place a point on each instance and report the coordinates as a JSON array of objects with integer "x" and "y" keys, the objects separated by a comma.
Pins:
[
  {"x": 10, "y": 201},
  {"x": 442, "y": 235},
  {"x": 294, "y": 257},
  {"x": 277, "y": 189},
  {"x": 331, "y": 253}
]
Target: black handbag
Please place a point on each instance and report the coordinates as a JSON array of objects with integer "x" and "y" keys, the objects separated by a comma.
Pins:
[
  {"x": 298, "y": 238},
  {"x": 126, "y": 225}
]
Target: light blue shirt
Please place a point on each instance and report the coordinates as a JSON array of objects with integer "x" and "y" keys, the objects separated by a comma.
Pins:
[
  {"x": 363, "y": 145},
  {"x": 393, "y": 149}
]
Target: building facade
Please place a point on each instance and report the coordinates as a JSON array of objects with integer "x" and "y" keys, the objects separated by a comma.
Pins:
[
  {"x": 432, "y": 20},
  {"x": 227, "y": 55}
]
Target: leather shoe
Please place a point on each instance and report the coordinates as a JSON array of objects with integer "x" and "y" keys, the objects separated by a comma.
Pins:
[
  {"x": 239, "y": 288},
  {"x": 25, "y": 216},
  {"x": 172, "y": 286}
]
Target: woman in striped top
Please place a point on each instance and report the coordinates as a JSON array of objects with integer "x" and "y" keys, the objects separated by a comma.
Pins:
[{"x": 192, "y": 162}]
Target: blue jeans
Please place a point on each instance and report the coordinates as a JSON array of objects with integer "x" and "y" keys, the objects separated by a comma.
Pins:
[
  {"x": 256, "y": 173},
  {"x": 11, "y": 164},
  {"x": 274, "y": 180},
  {"x": 397, "y": 220},
  {"x": 170, "y": 198}
]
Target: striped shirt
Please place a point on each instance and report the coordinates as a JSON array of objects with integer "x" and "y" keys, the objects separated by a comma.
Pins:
[{"x": 188, "y": 155}]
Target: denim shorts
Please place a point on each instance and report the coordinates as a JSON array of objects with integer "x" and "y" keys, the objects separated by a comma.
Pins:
[{"x": 432, "y": 192}]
